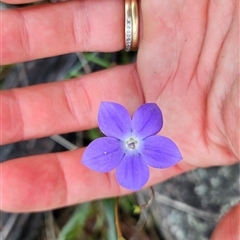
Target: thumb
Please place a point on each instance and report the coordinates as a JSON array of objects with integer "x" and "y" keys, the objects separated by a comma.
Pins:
[{"x": 229, "y": 226}]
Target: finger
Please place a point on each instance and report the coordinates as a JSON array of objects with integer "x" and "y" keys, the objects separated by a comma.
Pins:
[
  {"x": 229, "y": 225},
  {"x": 66, "y": 106},
  {"x": 53, "y": 29},
  {"x": 20, "y": 1},
  {"x": 55, "y": 180}
]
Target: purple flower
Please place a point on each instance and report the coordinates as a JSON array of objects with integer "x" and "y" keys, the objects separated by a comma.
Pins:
[{"x": 130, "y": 144}]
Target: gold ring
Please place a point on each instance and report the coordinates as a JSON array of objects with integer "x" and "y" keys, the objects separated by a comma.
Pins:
[{"x": 131, "y": 25}]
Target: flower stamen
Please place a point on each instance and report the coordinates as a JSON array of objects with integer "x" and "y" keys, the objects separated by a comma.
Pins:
[{"x": 132, "y": 143}]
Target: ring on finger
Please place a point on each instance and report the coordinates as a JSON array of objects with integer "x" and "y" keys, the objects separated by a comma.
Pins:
[{"x": 131, "y": 25}]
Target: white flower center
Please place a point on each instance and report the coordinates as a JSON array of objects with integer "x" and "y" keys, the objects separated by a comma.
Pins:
[{"x": 131, "y": 143}]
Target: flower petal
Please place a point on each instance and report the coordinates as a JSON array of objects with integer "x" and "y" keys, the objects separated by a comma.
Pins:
[
  {"x": 114, "y": 120},
  {"x": 133, "y": 172},
  {"x": 147, "y": 120},
  {"x": 103, "y": 154},
  {"x": 160, "y": 152}
]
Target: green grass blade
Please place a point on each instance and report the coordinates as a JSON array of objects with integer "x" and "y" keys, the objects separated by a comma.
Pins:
[
  {"x": 75, "y": 225},
  {"x": 110, "y": 218},
  {"x": 97, "y": 60}
]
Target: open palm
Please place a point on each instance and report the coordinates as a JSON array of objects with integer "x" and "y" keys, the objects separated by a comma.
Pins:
[{"x": 186, "y": 63}]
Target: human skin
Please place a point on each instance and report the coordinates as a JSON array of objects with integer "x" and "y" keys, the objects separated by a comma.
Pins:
[{"x": 187, "y": 62}]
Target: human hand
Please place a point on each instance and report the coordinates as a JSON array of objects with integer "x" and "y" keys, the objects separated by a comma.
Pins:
[{"x": 187, "y": 64}]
